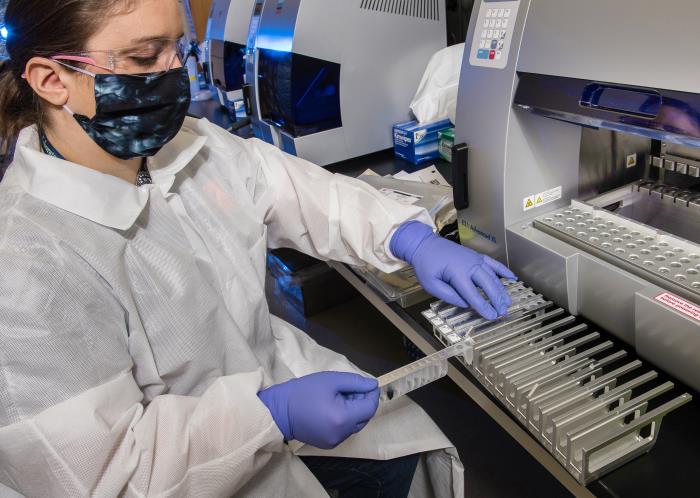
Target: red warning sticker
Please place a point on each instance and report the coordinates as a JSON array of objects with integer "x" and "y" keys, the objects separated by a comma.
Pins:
[{"x": 680, "y": 305}]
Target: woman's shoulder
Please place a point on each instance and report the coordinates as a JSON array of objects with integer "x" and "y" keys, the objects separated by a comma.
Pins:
[
  {"x": 25, "y": 227},
  {"x": 215, "y": 134},
  {"x": 219, "y": 137}
]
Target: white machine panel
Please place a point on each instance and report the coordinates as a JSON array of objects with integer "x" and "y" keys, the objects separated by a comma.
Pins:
[{"x": 494, "y": 33}]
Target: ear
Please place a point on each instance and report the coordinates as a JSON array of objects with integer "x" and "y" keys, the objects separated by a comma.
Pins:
[{"x": 48, "y": 80}]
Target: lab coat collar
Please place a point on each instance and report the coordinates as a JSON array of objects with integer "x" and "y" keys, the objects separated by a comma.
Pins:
[
  {"x": 173, "y": 158},
  {"x": 98, "y": 197}
]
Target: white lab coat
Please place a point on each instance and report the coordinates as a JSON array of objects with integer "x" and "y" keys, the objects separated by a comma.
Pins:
[{"x": 135, "y": 335}]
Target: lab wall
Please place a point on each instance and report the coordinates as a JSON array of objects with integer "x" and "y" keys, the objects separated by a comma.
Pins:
[
  {"x": 458, "y": 13},
  {"x": 200, "y": 14}
]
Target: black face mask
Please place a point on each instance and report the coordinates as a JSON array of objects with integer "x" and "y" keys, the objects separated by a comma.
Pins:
[{"x": 137, "y": 114}]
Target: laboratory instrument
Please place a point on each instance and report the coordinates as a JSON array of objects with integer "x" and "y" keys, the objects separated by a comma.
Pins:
[
  {"x": 329, "y": 78},
  {"x": 584, "y": 167},
  {"x": 579, "y": 165},
  {"x": 226, "y": 42}
]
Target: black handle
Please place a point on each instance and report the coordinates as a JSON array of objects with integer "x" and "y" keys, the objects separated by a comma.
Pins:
[
  {"x": 247, "y": 101},
  {"x": 460, "y": 175}
]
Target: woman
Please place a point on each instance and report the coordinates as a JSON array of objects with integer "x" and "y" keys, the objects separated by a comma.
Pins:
[{"x": 138, "y": 355}]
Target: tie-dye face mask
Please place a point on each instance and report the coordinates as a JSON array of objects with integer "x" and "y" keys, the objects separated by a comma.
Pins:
[{"x": 136, "y": 114}]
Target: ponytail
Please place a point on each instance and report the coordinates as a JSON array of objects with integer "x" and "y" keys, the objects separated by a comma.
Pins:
[{"x": 18, "y": 108}]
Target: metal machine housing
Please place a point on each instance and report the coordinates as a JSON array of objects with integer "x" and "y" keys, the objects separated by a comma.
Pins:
[
  {"x": 372, "y": 53},
  {"x": 573, "y": 117}
]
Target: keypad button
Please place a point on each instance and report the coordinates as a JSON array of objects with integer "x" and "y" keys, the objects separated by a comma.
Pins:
[
  {"x": 492, "y": 23},
  {"x": 489, "y": 13},
  {"x": 501, "y": 12},
  {"x": 482, "y": 54},
  {"x": 489, "y": 34},
  {"x": 482, "y": 44},
  {"x": 494, "y": 44},
  {"x": 484, "y": 34},
  {"x": 505, "y": 23},
  {"x": 492, "y": 54},
  {"x": 498, "y": 23},
  {"x": 499, "y": 55},
  {"x": 499, "y": 44},
  {"x": 503, "y": 35},
  {"x": 486, "y": 23},
  {"x": 506, "y": 13}
]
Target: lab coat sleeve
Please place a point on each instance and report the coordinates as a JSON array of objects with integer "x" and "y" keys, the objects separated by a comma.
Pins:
[
  {"x": 330, "y": 217},
  {"x": 72, "y": 421}
]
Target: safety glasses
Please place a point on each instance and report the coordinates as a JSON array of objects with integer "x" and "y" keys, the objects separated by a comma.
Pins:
[{"x": 152, "y": 56}]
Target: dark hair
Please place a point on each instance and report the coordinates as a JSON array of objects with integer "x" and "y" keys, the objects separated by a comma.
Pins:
[{"x": 42, "y": 28}]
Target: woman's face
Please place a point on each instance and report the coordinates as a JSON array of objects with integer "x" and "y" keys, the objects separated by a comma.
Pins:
[{"x": 133, "y": 38}]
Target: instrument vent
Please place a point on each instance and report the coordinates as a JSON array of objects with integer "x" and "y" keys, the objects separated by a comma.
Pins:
[{"x": 422, "y": 9}]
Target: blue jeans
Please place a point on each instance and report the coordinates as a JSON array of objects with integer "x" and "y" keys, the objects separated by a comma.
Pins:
[{"x": 359, "y": 478}]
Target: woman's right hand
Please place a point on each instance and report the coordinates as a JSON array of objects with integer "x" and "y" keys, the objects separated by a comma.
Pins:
[{"x": 322, "y": 409}]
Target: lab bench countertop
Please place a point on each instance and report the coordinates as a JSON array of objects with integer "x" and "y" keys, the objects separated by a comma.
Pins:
[{"x": 386, "y": 163}]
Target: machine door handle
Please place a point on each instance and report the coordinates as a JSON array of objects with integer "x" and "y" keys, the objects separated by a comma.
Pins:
[
  {"x": 247, "y": 100},
  {"x": 460, "y": 175},
  {"x": 638, "y": 102}
]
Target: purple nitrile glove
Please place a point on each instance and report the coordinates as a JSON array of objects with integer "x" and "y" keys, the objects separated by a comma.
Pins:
[
  {"x": 451, "y": 272},
  {"x": 322, "y": 409}
]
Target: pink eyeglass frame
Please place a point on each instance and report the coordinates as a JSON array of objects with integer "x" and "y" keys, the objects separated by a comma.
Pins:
[
  {"x": 74, "y": 58},
  {"x": 79, "y": 58}
]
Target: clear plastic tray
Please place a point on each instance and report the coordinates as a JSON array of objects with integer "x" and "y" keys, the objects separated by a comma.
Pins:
[{"x": 401, "y": 287}]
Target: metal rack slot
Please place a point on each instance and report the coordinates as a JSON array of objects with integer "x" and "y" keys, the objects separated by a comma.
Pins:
[
  {"x": 611, "y": 435},
  {"x": 559, "y": 382},
  {"x": 555, "y": 430},
  {"x": 520, "y": 387},
  {"x": 484, "y": 343},
  {"x": 498, "y": 361},
  {"x": 536, "y": 405},
  {"x": 525, "y": 370},
  {"x": 545, "y": 393},
  {"x": 592, "y": 467}
]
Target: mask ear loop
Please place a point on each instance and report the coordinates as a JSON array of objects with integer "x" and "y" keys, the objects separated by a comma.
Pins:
[{"x": 74, "y": 58}]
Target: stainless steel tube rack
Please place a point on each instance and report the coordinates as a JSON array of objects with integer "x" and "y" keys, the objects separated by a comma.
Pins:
[{"x": 579, "y": 395}]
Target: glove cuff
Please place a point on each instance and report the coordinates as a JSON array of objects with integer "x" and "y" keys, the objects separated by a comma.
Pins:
[
  {"x": 406, "y": 240},
  {"x": 278, "y": 410}
]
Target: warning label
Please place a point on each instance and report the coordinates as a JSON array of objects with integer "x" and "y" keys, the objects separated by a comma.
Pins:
[
  {"x": 680, "y": 305},
  {"x": 542, "y": 199}
]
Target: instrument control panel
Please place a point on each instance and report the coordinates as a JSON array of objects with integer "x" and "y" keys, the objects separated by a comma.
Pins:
[{"x": 493, "y": 34}]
